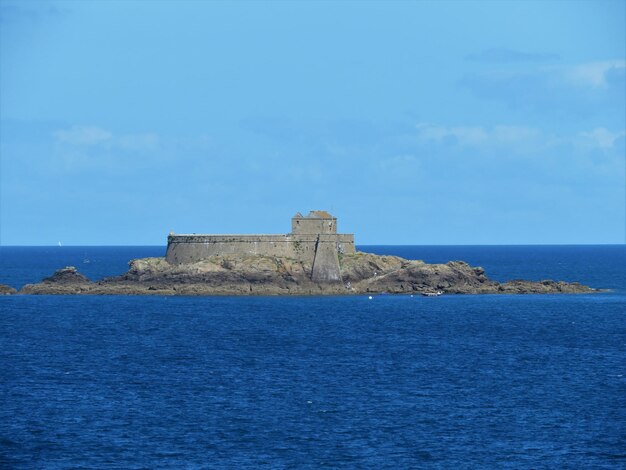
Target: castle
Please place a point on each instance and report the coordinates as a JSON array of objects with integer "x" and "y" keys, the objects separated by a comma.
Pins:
[{"x": 313, "y": 240}]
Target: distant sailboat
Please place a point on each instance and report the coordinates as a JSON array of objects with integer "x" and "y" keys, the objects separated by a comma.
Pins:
[{"x": 60, "y": 244}]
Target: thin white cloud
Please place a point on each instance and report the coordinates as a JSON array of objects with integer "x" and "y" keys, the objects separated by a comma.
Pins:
[
  {"x": 588, "y": 88},
  {"x": 603, "y": 138},
  {"x": 515, "y": 139},
  {"x": 514, "y": 134},
  {"x": 464, "y": 135},
  {"x": 404, "y": 161},
  {"x": 476, "y": 136},
  {"x": 145, "y": 141},
  {"x": 91, "y": 136},
  {"x": 501, "y": 54},
  {"x": 593, "y": 74},
  {"x": 83, "y": 135}
]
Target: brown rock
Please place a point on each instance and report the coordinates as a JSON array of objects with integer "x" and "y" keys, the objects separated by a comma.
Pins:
[
  {"x": 6, "y": 290},
  {"x": 268, "y": 275}
]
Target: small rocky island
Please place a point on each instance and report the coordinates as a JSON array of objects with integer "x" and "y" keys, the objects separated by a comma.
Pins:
[{"x": 311, "y": 260}]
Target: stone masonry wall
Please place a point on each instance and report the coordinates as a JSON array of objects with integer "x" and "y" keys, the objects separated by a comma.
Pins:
[
  {"x": 306, "y": 225},
  {"x": 326, "y": 263},
  {"x": 192, "y": 248}
]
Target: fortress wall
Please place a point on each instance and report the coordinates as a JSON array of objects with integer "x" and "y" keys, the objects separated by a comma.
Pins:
[
  {"x": 192, "y": 248},
  {"x": 326, "y": 263},
  {"x": 345, "y": 242},
  {"x": 307, "y": 225}
]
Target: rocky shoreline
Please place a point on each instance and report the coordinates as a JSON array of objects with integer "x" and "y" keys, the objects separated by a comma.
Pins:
[{"x": 361, "y": 273}]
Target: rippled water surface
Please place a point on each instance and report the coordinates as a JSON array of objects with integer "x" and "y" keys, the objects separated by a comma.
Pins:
[{"x": 494, "y": 381}]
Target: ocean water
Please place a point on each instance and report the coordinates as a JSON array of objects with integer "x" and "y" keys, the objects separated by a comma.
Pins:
[{"x": 493, "y": 381}]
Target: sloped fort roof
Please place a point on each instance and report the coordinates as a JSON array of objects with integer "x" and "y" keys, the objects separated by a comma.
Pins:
[{"x": 314, "y": 215}]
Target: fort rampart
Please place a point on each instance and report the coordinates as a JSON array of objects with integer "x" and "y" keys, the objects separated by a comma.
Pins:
[
  {"x": 192, "y": 248},
  {"x": 313, "y": 241}
]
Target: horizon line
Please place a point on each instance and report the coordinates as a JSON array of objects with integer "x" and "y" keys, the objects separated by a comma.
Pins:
[{"x": 363, "y": 244}]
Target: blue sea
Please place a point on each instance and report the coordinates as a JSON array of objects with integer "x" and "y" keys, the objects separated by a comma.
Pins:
[{"x": 476, "y": 382}]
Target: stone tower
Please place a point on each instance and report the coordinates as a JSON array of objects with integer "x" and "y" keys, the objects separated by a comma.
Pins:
[
  {"x": 317, "y": 222},
  {"x": 322, "y": 226}
]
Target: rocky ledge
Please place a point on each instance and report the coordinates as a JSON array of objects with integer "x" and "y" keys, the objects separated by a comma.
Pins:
[
  {"x": 6, "y": 290},
  {"x": 265, "y": 275}
]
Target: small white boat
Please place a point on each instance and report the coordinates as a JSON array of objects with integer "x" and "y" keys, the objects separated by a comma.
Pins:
[{"x": 432, "y": 294}]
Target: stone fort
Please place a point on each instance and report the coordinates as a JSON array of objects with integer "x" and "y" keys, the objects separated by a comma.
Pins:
[{"x": 313, "y": 240}]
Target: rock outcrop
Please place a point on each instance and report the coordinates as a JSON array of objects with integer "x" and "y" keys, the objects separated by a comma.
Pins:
[
  {"x": 66, "y": 280},
  {"x": 270, "y": 275},
  {"x": 6, "y": 290}
]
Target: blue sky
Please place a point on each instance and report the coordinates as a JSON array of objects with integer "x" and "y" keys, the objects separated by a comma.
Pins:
[{"x": 412, "y": 122}]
